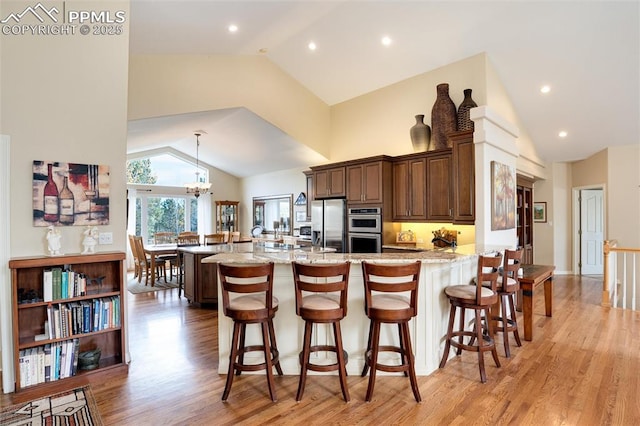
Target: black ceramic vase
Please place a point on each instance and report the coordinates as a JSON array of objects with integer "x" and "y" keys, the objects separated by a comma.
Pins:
[
  {"x": 464, "y": 122},
  {"x": 443, "y": 117},
  {"x": 420, "y": 134}
]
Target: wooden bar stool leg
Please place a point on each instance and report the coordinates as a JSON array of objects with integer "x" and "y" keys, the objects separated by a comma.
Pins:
[
  {"x": 232, "y": 360},
  {"x": 365, "y": 369},
  {"x": 479, "y": 337},
  {"x": 274, "y": 345},
  {"x": 267, "y": 357},
  {"x": 403, "y": 344},
  {"x": 374, "y": 359},
  {"x": 505, "y": 325},
  {"x": 513, "y": 318},
  {"x": 342, "y": 369},
  {"x": 243, "y": 332},
  {"x": 491, "y": 328},
  {"x": 447, "y": 343},
  {"x": 304, "y": 359},
  {"x": 461, "y": 337},
  {"x": 410, "y": 359}
]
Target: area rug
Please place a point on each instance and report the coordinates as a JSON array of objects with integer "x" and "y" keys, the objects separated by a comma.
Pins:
[
  {"x": 135, "y": 287},
  {"x": 71, "y": 408}
]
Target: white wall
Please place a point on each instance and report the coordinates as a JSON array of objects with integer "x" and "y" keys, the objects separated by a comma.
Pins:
[
  {"x": 623, "y": 195},
  {"x": 64, "y": 98}
]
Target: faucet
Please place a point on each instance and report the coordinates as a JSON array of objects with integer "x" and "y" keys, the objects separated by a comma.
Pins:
[{"x": 447, "y": 242}]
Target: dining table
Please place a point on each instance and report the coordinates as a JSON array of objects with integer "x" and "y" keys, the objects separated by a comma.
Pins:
[
  {"x": 155, "y": 250},
  {"x": 532, "y": 276}
]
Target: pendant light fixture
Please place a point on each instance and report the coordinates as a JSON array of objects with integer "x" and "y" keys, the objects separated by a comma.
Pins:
[{"x": 199, "y": 186}]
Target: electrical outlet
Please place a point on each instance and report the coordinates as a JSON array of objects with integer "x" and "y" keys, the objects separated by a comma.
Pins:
[{"x": 105, "y": 238}]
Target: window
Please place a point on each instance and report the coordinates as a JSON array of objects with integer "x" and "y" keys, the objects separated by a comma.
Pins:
[
  {"x": 161, "y": 203},
  {"x": 165, "y": 214}
]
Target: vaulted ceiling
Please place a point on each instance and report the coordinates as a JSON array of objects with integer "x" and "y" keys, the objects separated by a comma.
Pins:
[{"x": 586, "y": 51}]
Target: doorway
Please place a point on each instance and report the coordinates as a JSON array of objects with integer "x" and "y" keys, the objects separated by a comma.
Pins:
[{"x": 588, "y": 236}]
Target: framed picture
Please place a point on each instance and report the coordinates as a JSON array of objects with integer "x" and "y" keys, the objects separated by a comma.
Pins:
[
  {"x": 503, "y": 196},
  {"x": 540, "y": 211},
  {"x": 301, "y": 216},
  {"x": 70, "y": 194}
]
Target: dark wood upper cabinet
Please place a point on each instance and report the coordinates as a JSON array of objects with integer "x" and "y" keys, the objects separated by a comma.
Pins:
[
  {"x": 329, "y": 183},
  {"x": 439, "y": 186},
  {"x": 365, "y": 182},
  {"x": 464, "y": 182},
  {"x": 409, "y": 193}
]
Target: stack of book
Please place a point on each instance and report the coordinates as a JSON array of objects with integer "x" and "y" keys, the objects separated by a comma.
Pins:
[
  {"x": 63, "y": 284},
  {"x": 85, "y": 316},
  {"x": 48, "y": 363}
]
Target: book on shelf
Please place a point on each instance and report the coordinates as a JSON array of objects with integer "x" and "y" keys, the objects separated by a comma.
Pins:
[{"x": 47, "y": 285}]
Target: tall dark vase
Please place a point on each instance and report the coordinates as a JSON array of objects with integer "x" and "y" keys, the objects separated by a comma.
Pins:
[
  {"x": 420, "y": 134},
  {"x": 464, "y": 122},
  {"x": 443, "y": 117}
]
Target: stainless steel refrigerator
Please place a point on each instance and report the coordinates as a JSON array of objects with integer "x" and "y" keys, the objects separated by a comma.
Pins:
[{"x": 329, "y": 224}]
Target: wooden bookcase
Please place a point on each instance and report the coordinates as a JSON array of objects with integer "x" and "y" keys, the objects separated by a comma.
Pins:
[
  {"x": 27, "y": 275},
  {"x": 227, "y": 216}
]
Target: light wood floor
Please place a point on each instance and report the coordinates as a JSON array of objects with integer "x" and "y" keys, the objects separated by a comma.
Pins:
[{"x": 582, "y": 368}]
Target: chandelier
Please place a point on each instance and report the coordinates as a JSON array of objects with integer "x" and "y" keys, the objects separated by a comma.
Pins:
[{"x": 199, "y": 186}]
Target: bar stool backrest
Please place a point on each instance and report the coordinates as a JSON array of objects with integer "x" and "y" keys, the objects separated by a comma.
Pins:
[
  {"x": 487, "y": 274},
  {"x": 512, "y": 262},
  {"x": 245, "y": 279},
  {"x": 314, "y": 278},
  {"x": 391, "y": 278}
]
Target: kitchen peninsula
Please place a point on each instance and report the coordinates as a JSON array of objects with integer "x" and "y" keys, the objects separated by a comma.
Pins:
[{"x": 440, "y": 268}]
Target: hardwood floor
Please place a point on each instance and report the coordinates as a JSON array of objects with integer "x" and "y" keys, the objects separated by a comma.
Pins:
[{"x": 580, "y": 369}]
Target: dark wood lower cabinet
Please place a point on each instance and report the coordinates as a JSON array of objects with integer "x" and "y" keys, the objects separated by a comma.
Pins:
[{"x": 200, "y": 279}]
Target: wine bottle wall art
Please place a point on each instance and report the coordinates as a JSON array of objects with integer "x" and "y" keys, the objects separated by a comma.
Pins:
[{"x": 66, "y": 194}]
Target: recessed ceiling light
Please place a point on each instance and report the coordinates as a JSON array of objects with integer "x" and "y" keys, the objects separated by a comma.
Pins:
[
  {"x": 545, "y": 89},
  {"x": 312, "y": 45},
  {"x": 386, "y": 40},
  {"x": 232, "y": 28},
  {"x": 562, "y": 134}
]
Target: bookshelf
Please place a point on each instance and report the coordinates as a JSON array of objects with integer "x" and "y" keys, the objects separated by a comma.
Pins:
[
  {"x": 524, "y": 217},
  {"x": 227, "y": 216},
  {"x": 49, "y": 335}
]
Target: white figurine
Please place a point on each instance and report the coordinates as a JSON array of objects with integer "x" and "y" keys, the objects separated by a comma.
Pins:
[
  {"x": 90, "y": 240},
  {"x": 53, "y": 241}
]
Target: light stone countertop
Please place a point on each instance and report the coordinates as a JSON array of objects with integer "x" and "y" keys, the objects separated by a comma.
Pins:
[{"x": 248, "y": 253}]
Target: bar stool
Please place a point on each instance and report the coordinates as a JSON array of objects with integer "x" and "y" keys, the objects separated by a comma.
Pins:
[
  {"x": 321, "y": 297},
  {"x": 256, "y": 305},
  {"x": 479, "y": 298},
  {"x": 383, "y": 284},
  {"x": 507, "y": 286}
]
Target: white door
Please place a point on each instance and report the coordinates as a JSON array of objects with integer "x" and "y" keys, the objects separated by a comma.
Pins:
[{"x": 592, "y": 234}]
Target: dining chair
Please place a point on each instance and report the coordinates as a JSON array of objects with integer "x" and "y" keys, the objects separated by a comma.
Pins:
[
  {"x": 164, "y": 238},
  {"x": 234, "y": 237},
  {"x": 218, "y": 238},
  {"x": 144, "y": 261},
  {"x": 186, "y": 239}
]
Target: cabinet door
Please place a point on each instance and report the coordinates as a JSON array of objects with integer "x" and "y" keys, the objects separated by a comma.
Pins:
[
  {"x": 329, "y": 183},
  {"x": 464, "y": 194},
  {"x": 401, "y": 190},
  {"x": 364, "y": 183},
  {"x": 337, "y": 182},
  {"x": 189, "y": 265},
  {"x": 355, "y": 183},
  {"x": 321, "y": 184},
  {"x": 439, "y": 199},
  {"x": 208, "y": 282},
  {"x": 409, "y": 202},
  {"x": 372, "y": 182}
]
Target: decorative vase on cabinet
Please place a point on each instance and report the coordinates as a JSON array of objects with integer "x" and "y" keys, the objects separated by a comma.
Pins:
[
  {"x": 420, "y": 134},
  {"x": 464, "y": 121},
  {"x": 443, "y": 117}
]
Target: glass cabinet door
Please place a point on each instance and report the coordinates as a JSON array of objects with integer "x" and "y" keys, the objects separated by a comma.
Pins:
[{"x": 227, "y": 216}]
